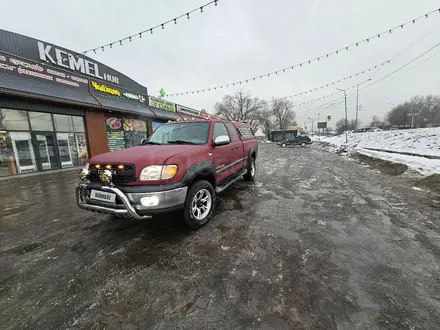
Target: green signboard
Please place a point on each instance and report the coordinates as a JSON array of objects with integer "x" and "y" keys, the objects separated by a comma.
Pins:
[
  {"x": 188, "y": 111},
  {"x": 160, "y": 103}
]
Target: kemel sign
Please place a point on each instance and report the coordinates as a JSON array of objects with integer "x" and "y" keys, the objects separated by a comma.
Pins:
[
  {"x": 159, "y": 103},
  {"x": 49, "y": 53},
  {"x": 187, "y": 110}
]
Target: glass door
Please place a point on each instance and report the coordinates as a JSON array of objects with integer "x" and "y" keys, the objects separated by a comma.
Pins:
[
  {"x": 23, "y": 152},
  {"x": 65, "y": 145},
  {"x": 45, "y": 151}
]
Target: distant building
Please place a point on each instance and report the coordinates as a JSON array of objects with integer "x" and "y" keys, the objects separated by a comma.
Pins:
[{"x": 281, "y": 135}]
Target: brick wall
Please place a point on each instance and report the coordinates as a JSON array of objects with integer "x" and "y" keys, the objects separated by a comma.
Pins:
[{"x": 97, "y": 134}]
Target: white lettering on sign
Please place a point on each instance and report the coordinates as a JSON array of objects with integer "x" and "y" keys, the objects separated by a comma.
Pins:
[
  {"x": 78, "y": 79},
  {"x": 7, "y": 67},
  {"x": 56, "y": 73},
  {"x": 26, "y": 64},
  {"x": 73, "y": 62},
  {"x": 2, "y": 58}
]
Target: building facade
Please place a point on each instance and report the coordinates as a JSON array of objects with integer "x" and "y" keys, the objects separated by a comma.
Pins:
[{"x": 58, "y": 107}]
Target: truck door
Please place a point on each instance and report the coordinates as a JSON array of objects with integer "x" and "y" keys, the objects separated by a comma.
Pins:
[
  {"x": 222, "y": 154},
  {"x": 236, "y": 147}
]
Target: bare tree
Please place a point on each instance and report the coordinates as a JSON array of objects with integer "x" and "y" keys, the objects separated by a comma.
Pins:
[
  {"x": 341, "y": 127},
  {"x": 283, "y": 113},
  {"x": 266, "y": 120},
  {"x": 241, "y": 107},
  {"x": 426, "y": 110},
  {"x": 376, "y": 122}
]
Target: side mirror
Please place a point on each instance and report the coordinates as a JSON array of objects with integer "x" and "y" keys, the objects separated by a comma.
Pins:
[
  {"x": 221, "y": 140},
  {"x": 143, "y": 141}
]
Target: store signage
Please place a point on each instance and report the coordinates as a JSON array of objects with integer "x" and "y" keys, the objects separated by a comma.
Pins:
[
  {"x": 105, "y": 89},
  {"x": 136, "y": 97},
  {"x": 32, "y": 69},
  {"x": 187, "y": 110},
  {"x": 50, "y": 53},
  {"x": 160, "y": 103}
]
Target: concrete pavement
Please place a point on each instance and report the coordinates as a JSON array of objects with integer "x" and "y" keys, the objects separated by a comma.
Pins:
[{"x": 318, "y": 242}]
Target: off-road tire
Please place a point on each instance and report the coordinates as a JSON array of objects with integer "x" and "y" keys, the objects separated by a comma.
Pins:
[
  {"x": 250, "y": 176},
  {"x": 303, "y": 144},
  {"x": 188, "y": 215}
]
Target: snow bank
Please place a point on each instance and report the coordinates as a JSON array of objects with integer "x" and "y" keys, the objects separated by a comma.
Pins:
[
  {"x": 422, "y": 141},
  {"x": 422, "y": 165}
]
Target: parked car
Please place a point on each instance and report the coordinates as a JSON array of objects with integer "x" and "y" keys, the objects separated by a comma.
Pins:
[
  {"x": 300, "y": 140},
  {"x": 182, "y": 166},
  {"x": 375, "y": 129}
]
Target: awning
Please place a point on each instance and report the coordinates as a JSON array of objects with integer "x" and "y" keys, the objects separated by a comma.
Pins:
[
  {"x": 164, "y": 114},
  {"x": 24, "y": 86},
  {"x": 123, "y": 105}
]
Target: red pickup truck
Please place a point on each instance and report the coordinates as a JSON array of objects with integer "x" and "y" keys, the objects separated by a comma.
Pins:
[{"x": 183, "y": 165}]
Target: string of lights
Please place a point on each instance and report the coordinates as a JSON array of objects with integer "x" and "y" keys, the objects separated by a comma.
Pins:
[
  {"x": 336, "y": 81},
  {"x": 313, "y": 60},
  {"x": 332, "y": 103},
  {"x": 402, "y": 67},
  {"x": 151, "y": 30}
]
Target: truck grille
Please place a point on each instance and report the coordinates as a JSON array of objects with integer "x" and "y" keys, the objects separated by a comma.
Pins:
[{"x": 127, "y": 173}]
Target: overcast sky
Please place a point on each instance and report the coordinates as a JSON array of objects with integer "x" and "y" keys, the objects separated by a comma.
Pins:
[{"x": 239, "y": 39}]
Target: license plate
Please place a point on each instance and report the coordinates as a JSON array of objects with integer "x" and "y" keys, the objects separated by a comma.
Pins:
[
  {"x": 102, "y": 196},
  {"x": 114, "y": 172}
]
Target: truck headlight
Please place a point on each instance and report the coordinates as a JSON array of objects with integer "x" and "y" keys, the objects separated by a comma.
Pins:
[{"x": 158, "y": 172}]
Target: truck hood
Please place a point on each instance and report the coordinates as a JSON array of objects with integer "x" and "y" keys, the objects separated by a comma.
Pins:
[{"x": 142, "y": 155}]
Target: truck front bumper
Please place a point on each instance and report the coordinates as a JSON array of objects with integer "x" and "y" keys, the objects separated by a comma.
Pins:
[{"x": 137, "y": 205}]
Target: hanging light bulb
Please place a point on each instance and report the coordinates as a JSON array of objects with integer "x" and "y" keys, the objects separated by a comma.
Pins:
[
  {"x": 215, "y": 3},
  {"x": 163, "y": 27},
  {"x": 140, "y": 35},
  {"x": 151, "y": 31},
  {"x": 201, "y": 9},
  {"x": 129, "y": 38},
  {"x": 94, "y": 51},
  {"x": 111, "y": 45},
  {"x": 175, "y": 21},
  {"x": 120, "y": 42},
  {"x": 187, "y": 15},
  {"x": 102, "y": 48}
]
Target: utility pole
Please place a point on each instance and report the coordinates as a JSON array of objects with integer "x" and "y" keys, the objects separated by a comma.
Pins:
[
  {"x": 346, "y": 117},
  {"x": 357, "y": 102}
]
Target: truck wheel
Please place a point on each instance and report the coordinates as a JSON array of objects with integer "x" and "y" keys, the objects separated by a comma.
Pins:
[
  {"x": 199, "y": 204},
  {"x": 284, "y": 145},
  {"x": 251, "y": 171},
  {"x": 303, "y": 144}
]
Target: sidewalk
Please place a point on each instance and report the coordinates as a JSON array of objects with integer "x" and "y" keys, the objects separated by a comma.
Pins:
[{"x": 25, "y": 175}]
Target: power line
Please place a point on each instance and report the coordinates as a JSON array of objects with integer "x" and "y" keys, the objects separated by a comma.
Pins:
[
  {"x": 415, "y": 66},
  {"x": 331, "y": 104},
  {"x": 403, "y": 66},
  {"x": 150, "y": 30},
  {"x": 316, "y": 59},
  {"x": 336, "y": 81}
]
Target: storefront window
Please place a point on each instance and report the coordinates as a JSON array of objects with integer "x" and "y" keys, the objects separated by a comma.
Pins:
[
  {"x": 63, "y": 123},
  {"x": 78, "y": 124},
  {"x": 14, "y": 120},
  {"x": 23, "y": 153},
  {"x": 125, "y": 132},
  {"x": 41, "y": 121},
  {"x": 37, "y": 147}
]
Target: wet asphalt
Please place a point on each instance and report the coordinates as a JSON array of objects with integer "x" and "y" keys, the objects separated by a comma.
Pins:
[{"x": 318, "y": 242}]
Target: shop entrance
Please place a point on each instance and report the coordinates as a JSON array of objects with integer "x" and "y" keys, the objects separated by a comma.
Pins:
[{"x": 45, "y": 150}]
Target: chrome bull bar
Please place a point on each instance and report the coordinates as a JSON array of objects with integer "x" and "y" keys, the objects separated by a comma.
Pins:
[{"x": 128, "y": 212}]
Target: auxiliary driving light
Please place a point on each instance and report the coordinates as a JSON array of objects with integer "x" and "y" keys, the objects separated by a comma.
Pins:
[
  {"x": 84, "y": 174},
  {"x": 150, "y": 201},
  {"x": 105, "y": 176}
]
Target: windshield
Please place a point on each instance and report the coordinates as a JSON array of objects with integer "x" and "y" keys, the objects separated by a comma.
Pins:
[{"x": 181, "y": 133}]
